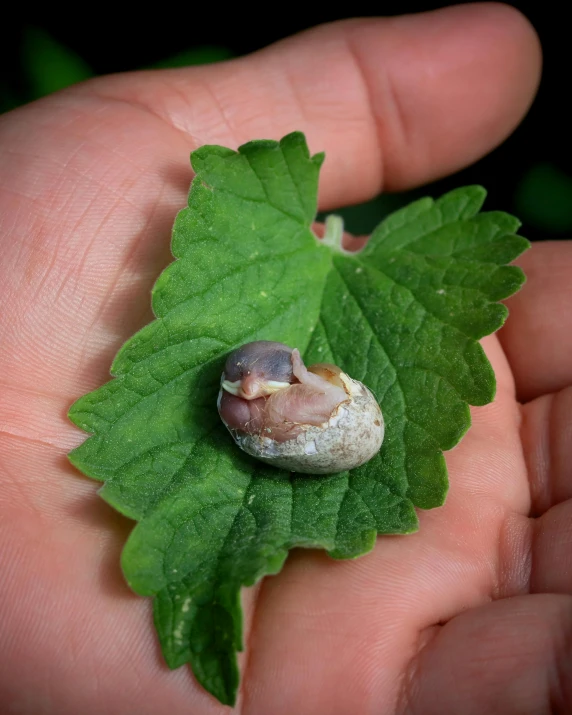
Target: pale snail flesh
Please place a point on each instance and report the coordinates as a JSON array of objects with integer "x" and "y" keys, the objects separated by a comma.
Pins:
[{"x": 315, "y": 420}]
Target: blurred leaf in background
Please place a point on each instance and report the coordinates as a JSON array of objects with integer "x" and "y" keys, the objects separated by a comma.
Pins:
[
  {"x": 543, "y": 198},
  {"x": 204, "y": 55},
  {"x": 8, "y": 99},
  {"x": 47, "y": 65}
]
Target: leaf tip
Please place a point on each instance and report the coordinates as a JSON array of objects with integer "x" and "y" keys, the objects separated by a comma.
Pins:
[
  {"x": 520, "y": 244},
  {"x": 296, "y": 138},
  {"x": 72, "y": 413},
  {"x": 203, "y": 153},
  {"x": 319, "y": 158},
  {"x": 73, "y": 459},
  {"x": 258, "y": 145},
  {"x": 465, "y": 201}
]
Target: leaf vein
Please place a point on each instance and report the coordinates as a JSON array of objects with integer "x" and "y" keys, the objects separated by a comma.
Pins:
[
  {"x": 396, "y": 376},
  {"x": 268, "y": 200}
]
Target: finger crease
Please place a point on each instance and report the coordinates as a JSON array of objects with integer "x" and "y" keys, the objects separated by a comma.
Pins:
[{"x": 376, "y": 124}]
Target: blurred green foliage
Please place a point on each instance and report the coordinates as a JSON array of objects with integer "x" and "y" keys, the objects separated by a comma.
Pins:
[
  {"x": 543, "y": 198},
  {"x": 46, "y": 65},
  {"x": 204, "y": 55},
  {"x": 49, "y": 66}
]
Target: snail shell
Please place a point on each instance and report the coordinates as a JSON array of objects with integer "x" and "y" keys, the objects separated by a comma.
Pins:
[{"x": 315, "y": 420}]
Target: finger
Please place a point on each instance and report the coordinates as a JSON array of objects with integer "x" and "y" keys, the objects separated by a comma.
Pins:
[
  {"x": 547, "y": 438},
  {"x": 95, "y": 184},
  {"x": 513, "y": 656},
  {"x": 537, "y": 337},
  {"x": 393, "y": 102},
  {"x": 552, "y": 551}
]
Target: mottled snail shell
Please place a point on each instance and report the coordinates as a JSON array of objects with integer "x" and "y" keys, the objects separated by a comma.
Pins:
[{"x": 314, "y": 420}]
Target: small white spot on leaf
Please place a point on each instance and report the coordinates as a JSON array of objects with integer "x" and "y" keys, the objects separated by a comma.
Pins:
[{"x": 178, "y": 632}]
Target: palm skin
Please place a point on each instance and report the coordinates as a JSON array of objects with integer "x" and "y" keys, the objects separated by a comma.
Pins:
[{"x": 470, "y": 615}]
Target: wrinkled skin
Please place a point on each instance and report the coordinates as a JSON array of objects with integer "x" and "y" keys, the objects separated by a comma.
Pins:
[
  {"x": 254, "y": 367},
  {"x": 473, "y": 614},
  {"x": 271, "y": 392}
]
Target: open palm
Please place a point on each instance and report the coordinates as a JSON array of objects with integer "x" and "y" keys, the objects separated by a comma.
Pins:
[{"x": 470, "y": 615}]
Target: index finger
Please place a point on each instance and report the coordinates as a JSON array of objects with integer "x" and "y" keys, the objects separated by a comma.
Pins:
[
  {"x": 394, "y": 102},
  {"x": 93, "y": 177}
]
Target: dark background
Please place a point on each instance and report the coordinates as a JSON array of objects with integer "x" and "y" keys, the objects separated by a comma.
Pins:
[{"x": 529, "y": 175}]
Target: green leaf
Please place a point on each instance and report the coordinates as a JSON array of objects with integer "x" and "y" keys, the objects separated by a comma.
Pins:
[{"x": 403, "y": 316}]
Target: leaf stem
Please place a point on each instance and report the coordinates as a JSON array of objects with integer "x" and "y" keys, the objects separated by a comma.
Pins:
[{"x": 334, "y": 233}]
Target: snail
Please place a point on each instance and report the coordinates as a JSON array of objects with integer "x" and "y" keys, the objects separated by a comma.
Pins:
[{"x": 315, "y": 419}]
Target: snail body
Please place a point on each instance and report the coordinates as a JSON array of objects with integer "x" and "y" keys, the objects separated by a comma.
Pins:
[{"x": 314, "y": 419}]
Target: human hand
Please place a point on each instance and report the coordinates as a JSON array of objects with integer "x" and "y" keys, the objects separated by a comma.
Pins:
[{"x": 471, "y": 614}]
